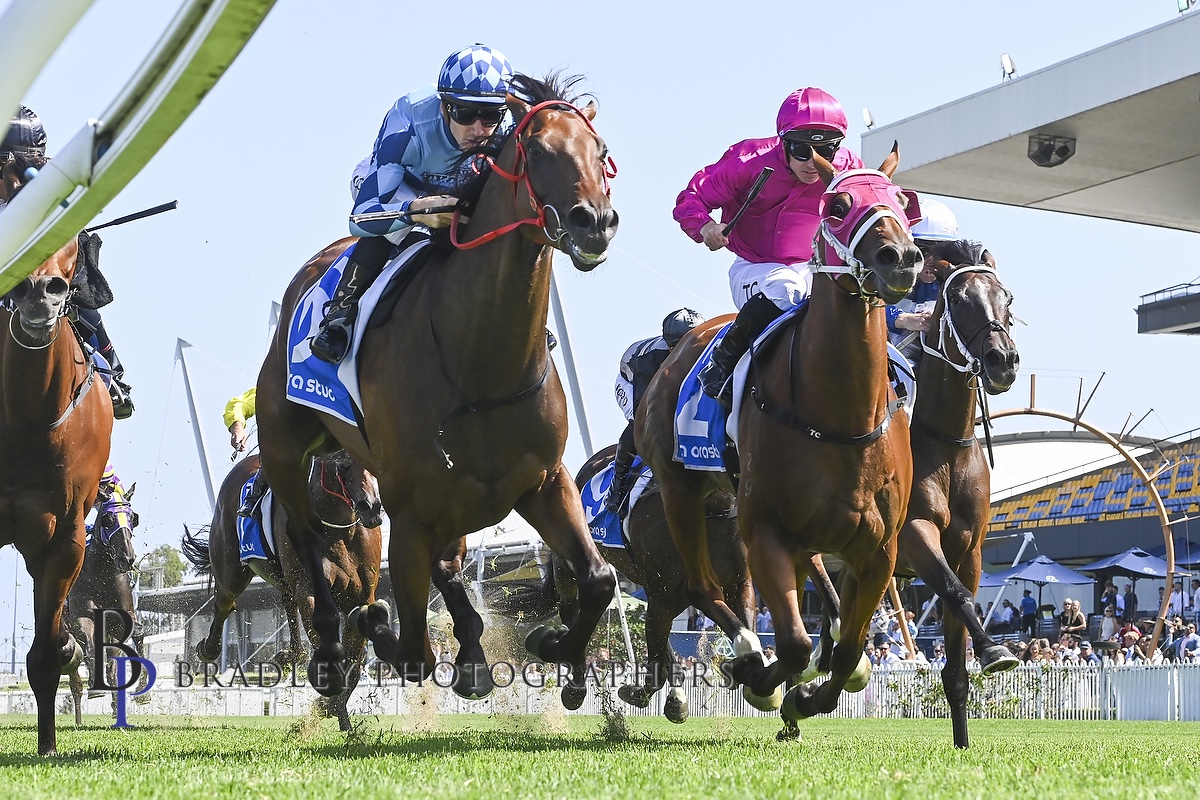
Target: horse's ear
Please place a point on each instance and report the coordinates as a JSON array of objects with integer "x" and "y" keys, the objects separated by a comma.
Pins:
[
  {"x": 590, "y": 110},
  {"x": 988, "y": 258},
  {"x": 824, "y": 169},
  {"x": 888, "y": 167},
  {"x": 132, "y": 489},
  {"x": 516, "y": 106}
]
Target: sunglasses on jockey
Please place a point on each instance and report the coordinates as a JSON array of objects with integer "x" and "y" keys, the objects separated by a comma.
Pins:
[
  {"x": 802, "y": 151},
  {"x": 466, "y": 115}
]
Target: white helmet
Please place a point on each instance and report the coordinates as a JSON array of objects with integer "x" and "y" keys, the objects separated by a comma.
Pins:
[{"x": 938, "y": 222}]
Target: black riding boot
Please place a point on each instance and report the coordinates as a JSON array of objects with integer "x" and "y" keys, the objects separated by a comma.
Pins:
[
  {"x": 758, "y": 312},
  {"x": 118, "y": 389},
  {"x": 258, "y": 488},
  {"x": 622, "y": 465},
  {"x": 333, "y": 340}
]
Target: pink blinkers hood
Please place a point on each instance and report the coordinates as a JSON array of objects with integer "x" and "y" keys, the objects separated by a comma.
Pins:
[{"x": 868, "y": 189}]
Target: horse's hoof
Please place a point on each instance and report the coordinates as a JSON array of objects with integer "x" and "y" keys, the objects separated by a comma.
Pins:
[
  {"x": 71, "y": 657},
  {"x": 542, "y": 638},
  {"x": 365, "y": 619},
  {"x": 792, "y": 708},
  {"x": 573, "y": 697},
  {"x": 813, "y": 670},
  {"x": 327, "y": 670},
  {"x": 676, "y": 707},
  {"x": 997, "y": 658},
  {"x": 636, "y": 696},
  {"x": 473, "y": 684},
  {"x": 789, "y": 733},
  {"x": 206, "y": 653},
  {"x": 861, "y": 676},
  {"x": 770, "y": 702}
]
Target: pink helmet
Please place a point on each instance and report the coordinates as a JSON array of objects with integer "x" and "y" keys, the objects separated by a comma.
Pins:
[{"x": 810, "y": 108}]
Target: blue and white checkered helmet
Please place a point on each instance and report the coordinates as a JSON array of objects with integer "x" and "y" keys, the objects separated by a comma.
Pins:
[{"x": 476, "y": 75}]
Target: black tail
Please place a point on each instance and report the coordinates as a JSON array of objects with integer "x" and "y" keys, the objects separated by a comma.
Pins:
[
  {"x": 526, "y": 601},
  {"x": 196, "y": 549}
]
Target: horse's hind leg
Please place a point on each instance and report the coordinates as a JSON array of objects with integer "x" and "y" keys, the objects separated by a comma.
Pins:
[
  {"x": 556, "y": 512},
  {"x": 474, "y": 680},
  {"x": 831, "y": 612},
  {"x": 921, "y": 543},
  {"x": 225, "y": 597},
  {"x": 659, "y": 660}
]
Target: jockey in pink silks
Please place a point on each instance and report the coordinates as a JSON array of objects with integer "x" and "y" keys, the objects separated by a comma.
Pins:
[{"x": 773, "y": 239}]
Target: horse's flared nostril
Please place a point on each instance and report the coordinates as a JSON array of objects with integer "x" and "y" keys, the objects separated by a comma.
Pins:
[{"x": 582, "y": 219}]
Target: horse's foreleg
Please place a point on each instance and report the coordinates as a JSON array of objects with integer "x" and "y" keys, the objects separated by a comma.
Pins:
[
  {"x": 225, "y": 597},
  {"x": 53, "y": 646},
  {"x": 684, "y": 510},
  {"x": 954, "y": 676},
  {"x": 920, "y": 541},
  {"x": 327, "y": 668},
  {"x": 862, "y": 591},
  {"x": 659, "y": 661},
  {"x": 773, "y": 565},
  {"x": 474, "y": 679},
  {"x": 831, "y": 612},
  {"x": 556, "y": 512}
]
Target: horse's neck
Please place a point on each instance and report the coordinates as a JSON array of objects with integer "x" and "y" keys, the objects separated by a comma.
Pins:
[
  {"x": 841, "y": 360},
  {"x": 492, "y": 302},
  {"x": 945, "y": 402},
  {"x": 39, "y": 384}
]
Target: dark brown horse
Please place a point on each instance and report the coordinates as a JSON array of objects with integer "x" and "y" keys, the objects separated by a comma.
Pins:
[
  {"x": 344, "y": 498},
  {"x": 951, "y": 496},
  {"x": 104, "y": 582},
  {"x": 825, "y": 466},
  {"x": 464, "y": 410},
  {"x": 55, "y": 432}
]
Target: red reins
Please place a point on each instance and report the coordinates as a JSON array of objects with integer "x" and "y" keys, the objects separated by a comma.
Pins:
[{"x": 520, "y": 175}]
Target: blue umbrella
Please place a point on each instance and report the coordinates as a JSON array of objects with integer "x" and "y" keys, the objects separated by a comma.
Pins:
[
  {"x": 1134, "y": 563},
  {"x": 1187, "y": 552}
]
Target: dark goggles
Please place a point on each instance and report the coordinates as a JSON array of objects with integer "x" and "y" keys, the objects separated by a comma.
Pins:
[
  {"x": 465, "y": 115},
  {"x": 802, "y": 151}
]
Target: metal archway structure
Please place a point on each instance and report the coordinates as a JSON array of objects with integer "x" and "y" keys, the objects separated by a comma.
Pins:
[{"x": 1138, "y": 469}]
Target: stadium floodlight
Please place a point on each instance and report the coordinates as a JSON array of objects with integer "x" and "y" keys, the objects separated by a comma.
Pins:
[{"x": 1007, "y": 67}]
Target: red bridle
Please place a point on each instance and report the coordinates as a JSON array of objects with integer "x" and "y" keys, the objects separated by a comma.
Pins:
[{"x": 520, "y": 175}]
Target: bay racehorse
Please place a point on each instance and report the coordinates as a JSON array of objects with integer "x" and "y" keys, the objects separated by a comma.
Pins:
[
  {"x": 951, "y": 496},
  {"x": 463, "y": 407},
  {"x": 55, "y": 432},
  {"x": 825, "y": 466},
  {"x": 104, "y": 582},
  {"x": 344, "y": 498}
]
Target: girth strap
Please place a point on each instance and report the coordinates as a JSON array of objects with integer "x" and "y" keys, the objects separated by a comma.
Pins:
[{"x": 788, "y": 418}]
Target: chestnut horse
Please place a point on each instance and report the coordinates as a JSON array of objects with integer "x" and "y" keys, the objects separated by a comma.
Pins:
[
  {"x": 344, "y": 498},
  {"x": 951, "y": 496},
  {"x": 104, "y": 582},
  {"x": 463, "y": 407},
  {"x": 652, "y": 562},
  {"x": 55, "y": 432},
  {"x": 826, "y": 467}
]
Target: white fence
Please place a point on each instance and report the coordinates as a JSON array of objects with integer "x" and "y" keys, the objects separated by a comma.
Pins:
[{"x": 1165, "y": 692}]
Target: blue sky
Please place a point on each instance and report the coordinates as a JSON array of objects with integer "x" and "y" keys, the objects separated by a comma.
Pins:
[{"x": 261, "y": 172}]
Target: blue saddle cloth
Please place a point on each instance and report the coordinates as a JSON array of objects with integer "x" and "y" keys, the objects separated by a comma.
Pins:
[
  {"x": 333, "y": 388},
  {"x": 606, "y": 527},
  {"x": 253, "y": 541}
]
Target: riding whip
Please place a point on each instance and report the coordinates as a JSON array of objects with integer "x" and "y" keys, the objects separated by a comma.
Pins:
[
  {"x": 759, "y": 183},
  {"x": 149, "y": 212},
  {"x": 378, "y": 216}
]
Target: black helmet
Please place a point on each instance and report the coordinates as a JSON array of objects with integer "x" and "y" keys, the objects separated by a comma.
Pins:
[
  {"x": 677, "y": 323},
  {"x": 25, "y": 134}
]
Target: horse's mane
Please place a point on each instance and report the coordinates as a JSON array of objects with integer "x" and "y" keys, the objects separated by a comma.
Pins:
[
  {"x": 960, "y": 252},
  {"x": 474, "y": 161}
]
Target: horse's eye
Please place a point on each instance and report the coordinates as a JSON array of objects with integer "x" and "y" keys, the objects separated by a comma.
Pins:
[{"x": 840, "y": 206}]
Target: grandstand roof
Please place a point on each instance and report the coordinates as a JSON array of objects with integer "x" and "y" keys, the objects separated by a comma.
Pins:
[
  {"x": 979, "y": 147},
  {"x": 1031, "y": 460}
]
